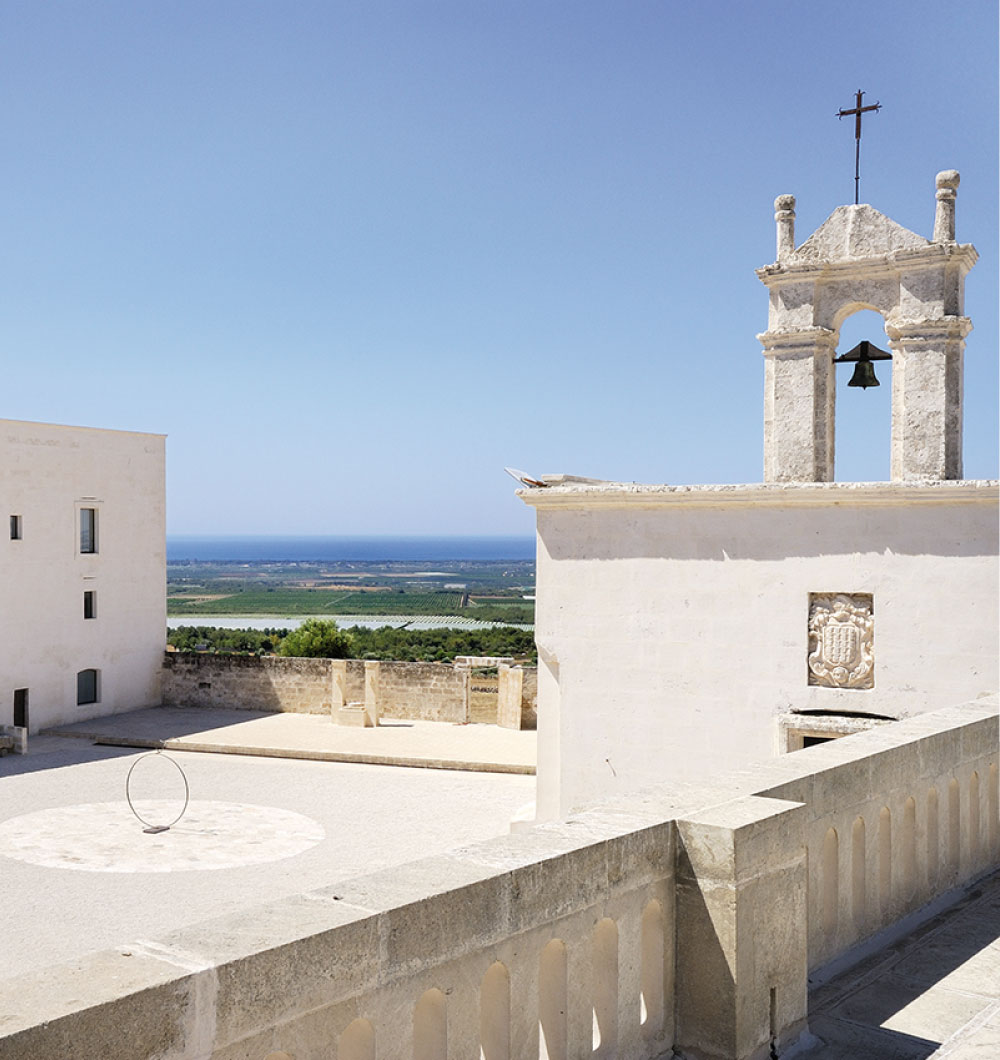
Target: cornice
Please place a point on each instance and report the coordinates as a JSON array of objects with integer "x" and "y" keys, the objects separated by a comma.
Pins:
[
  {"x": 765, "y": 495},
  {"x": 933, "y": 256}
]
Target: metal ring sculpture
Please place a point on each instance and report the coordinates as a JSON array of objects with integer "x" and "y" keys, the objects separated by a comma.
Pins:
[{"x": 153, "y": 829}]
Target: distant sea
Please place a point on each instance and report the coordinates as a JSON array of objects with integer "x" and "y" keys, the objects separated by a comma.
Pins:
[{"x": 248, "y": 549}]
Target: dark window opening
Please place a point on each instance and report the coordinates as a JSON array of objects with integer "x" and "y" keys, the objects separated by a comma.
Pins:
[
  {"x": 21, "y": 707},
  {"x": 86, "y": 687},
  {"x": 88, "y": 529},
  {"x": 89, "y": 603},
  {"x": 15, "y": 528}
]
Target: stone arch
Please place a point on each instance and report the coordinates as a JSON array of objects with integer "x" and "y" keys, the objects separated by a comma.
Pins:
[
  {"x": 908, "y": 869},
  {"x": 884, "y": 860},
  {"x": 652, "y": 969},
  {"x": 830, "y": 885},
  {"x": 859, "y": 258},
  {"x": 494, "y": 1013},
  {"x": 430, "y": 1026},
  {"x": 357, "y": 1041},
  {"x": 553, "y": 1001},
  {"x": 859, "y": 863},
  {"x": 605, "y": 967}
]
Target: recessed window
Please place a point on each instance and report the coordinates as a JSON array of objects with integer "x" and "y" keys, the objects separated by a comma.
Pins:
[
  {"x": 15, "y": 528},
  {"x": 90, "y": 603},
  {"x": 88, "y": 529},
  {"x": 86, "y": 687},
  {"x": 21, "y": 707}
]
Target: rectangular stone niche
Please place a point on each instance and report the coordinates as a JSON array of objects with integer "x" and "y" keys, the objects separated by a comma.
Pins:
[{"x": 841, "y": 650}]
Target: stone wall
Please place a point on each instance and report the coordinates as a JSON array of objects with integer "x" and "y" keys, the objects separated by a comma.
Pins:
[
  {"x": 682, "y": 916},
  {"x": 247, "y": 682},
  {"x": 423, "y": 691}
]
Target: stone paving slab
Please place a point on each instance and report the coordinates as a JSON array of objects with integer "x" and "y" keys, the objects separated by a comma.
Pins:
[
  {"x": 934, "y": 994},
  {"x": 426, "y": 744}
]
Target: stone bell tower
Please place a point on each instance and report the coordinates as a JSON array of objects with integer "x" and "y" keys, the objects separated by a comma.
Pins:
[{"x": 860, "y": 259}]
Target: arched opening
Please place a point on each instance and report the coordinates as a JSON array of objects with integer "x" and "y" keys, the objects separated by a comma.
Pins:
[
  {"x": 884, "y": 860},
  {"x": 932, "y": 837},
  {"x": 494, "y": 1013},
  {"x": 831, "y": 882},
  {"x": 863, "y": 427},
  {"x": 553, "y": 1041},
  {"x": 430, "y": 1026},
  {"x": 357, "y": 1042},
  {"x": 974, "y": 817},
  {"x": 605, "y": 951},
  {"x": 993, "y": 806},
  {"x": 858, "y": 866},
  {"x": 652, "y": 969},
  {"x": 909, "y": 874},
  {"x": 954, "y": 825}
]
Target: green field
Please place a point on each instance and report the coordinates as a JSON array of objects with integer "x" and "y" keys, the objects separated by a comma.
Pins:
[
  {"x": 319, "y": 602},
  {"x": 489, "y": 592}
]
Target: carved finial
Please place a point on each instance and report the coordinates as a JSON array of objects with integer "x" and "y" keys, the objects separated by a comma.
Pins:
[
  {"x": 944, "y": 216},
  {"x": 784, "y": 216}
]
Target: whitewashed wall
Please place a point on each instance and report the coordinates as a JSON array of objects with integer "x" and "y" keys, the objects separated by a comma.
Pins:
[
  {"x": 47, "y": 473},
  {"x": 672, "y": 622}
]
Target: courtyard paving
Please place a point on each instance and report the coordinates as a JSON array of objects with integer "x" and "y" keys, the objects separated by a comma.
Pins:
[
  {"x": 80, "y": 874},
  {"x": 428, "y": 744}
]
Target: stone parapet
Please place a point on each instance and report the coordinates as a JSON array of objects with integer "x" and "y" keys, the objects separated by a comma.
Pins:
[
  {"x": 542, "y": 936},
  {"x": 420, "y": 691}
]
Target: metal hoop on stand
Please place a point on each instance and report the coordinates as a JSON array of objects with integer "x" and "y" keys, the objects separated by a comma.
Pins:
[{"x": 153, "y": 829}]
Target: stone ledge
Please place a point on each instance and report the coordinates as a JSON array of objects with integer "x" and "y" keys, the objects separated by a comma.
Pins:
[{"x": 769, "y": 494}]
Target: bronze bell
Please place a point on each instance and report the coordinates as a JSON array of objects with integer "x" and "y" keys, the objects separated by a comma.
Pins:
[
  {"x": 862, "y": 356},
  {"x": 864, "y": 373}
]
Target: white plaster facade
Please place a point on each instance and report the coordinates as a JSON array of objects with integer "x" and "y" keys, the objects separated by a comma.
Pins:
[
  {"x": 673, "y": 623},
  {"x": 48, "y": 475}
]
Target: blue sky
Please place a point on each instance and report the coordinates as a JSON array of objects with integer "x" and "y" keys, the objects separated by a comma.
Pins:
[{"x": 354, "y": 258}]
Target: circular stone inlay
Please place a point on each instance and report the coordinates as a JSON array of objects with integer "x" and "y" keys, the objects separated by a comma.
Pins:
[{"x": 106, "y": 837}]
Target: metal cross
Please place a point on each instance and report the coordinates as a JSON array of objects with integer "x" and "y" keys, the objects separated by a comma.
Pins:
[{"x": 858, "y": 111}]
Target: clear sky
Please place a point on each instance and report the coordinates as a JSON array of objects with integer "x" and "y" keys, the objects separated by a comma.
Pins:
[{"x": 355, "y": 257}]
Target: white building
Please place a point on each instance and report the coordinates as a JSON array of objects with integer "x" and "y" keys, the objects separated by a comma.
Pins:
[
  {"x": 687, "y": 630},
  {"x": 82, "y": 572}
]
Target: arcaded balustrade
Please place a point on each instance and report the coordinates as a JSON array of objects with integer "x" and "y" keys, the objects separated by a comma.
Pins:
[{"x": 678, "y": 916}]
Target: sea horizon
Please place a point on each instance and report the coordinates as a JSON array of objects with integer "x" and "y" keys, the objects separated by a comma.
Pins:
[{"x": 362, "y": 548}]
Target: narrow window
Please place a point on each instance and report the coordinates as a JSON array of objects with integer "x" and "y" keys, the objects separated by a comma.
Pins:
[
  {"x": 15, "y": 528},
  {"x": 90, "y": 603},
  {"x": 86, "y": 687},
  {"x": 21, "y": 707},
  {"x": 88, "y": 529}
]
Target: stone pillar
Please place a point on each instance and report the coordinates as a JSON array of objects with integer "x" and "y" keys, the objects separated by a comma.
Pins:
[
  {"x": 742, "y": 927},
  {"x": 799, "y": 395},
  {"x": 338, "y": 684},
  {"x": 784, "y": 216},
  {"x": 927, "y": 364},
  {"x": 944, "y": 214},
  {"x": 373, "y": 700},
  {"x": 510, "y": 683}
]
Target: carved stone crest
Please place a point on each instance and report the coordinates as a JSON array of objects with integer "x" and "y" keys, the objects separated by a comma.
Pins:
[{"x": 841, "y": 640}]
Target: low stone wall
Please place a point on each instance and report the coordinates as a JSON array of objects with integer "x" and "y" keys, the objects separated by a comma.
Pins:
[
  {"x": 423, "y": 691},
  {"x": 247, "y": 682}
]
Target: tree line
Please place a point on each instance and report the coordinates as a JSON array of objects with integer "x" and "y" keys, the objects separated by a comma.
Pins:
[{"x": 321, "y": 638}]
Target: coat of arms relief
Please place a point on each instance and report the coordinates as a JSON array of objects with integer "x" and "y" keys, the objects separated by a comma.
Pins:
[{"x": 841, "y": 640}]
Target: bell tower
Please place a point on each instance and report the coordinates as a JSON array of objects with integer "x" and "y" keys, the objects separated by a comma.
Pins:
[{"x": 860, "y": 259}]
